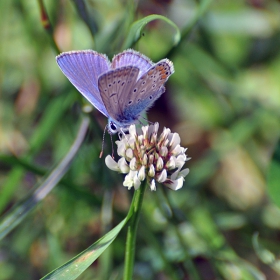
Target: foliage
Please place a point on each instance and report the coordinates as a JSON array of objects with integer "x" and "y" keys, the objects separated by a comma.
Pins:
[{"x": 223, "y": 100}]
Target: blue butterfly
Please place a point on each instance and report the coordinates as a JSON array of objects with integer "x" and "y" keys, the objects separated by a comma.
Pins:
[{"x": 120, "y": 90}]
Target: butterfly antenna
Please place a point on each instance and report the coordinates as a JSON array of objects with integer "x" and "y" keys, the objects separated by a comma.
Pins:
[
  {"x": 103, "y": 138},
  {"x": 112, "y": 146}
]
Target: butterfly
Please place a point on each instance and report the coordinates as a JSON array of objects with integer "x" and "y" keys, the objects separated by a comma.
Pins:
[{"x": 122, "y": 89}]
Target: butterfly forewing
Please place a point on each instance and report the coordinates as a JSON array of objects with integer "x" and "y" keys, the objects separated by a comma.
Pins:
[
  {"x": 83, "y": 68},
  {"x": 114, "y": 87}
]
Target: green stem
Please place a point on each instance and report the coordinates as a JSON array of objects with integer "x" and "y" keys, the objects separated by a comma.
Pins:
[
  {"x": 47, "y": 25},
  {"x": 132, "y": 231}
]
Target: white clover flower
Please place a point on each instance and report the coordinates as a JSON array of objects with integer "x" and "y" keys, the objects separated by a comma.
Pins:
[{"x": 144, "y": 155}]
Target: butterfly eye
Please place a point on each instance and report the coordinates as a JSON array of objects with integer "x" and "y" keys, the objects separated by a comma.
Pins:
[{"x": 113, "y": 127}]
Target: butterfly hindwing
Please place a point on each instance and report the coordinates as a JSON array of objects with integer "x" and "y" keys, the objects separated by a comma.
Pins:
[{"x": 148, "y": 88}]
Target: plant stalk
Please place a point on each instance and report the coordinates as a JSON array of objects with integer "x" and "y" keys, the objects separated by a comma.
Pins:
[{"x": 135, "y": 208}]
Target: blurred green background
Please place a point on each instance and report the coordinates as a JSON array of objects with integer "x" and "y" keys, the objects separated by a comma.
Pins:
[{"x": 223, "y": 100}]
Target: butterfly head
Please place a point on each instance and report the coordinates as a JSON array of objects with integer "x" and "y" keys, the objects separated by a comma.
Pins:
[{"x": 113, "y": 127}]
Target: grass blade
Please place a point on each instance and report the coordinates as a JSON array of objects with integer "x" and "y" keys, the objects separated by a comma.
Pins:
[
  {"x": 136, "y": 28},
  {"x": 23, "y": 208}
]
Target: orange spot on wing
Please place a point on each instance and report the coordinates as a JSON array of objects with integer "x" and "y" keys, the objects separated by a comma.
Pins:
[{"x": 159, "y": 68}]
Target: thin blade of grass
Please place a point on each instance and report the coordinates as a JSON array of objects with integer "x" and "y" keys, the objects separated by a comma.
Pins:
[
  {"x": 76, "y": 266},
  {"x": 53, "y": 112},
  {"x": 72, "y": 269},
  {"x": 136, "y": 28},
  {"x": 23, "y": 208},
  {"x": 89, "y": 20}
]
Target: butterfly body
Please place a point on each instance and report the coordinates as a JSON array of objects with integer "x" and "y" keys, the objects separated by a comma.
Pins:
[{"x": 121, "y": 90}]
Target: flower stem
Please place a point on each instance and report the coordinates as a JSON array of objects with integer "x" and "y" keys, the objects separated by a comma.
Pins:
[{"x": 132, "y": 231}]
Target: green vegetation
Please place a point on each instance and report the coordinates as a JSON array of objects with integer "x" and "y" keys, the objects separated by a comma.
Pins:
[{"x": 59, "y": 203}]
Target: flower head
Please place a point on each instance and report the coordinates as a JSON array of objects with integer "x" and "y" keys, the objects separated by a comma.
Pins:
[{"x": 145, "y": 155}]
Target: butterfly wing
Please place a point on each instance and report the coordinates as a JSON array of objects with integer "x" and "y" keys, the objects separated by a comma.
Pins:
[
  {"x": 148, "y": 88},
  {"x": 114, "y": 87},
  {"x": 83, "y": 68},
  {"x": 132, "y": 58}
]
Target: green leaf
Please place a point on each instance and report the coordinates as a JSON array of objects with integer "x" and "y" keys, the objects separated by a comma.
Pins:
[
  {"x": 273, "y": 176},
  {"x": 136, "y": 29},
  {"x": 73, "y": 268}
]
